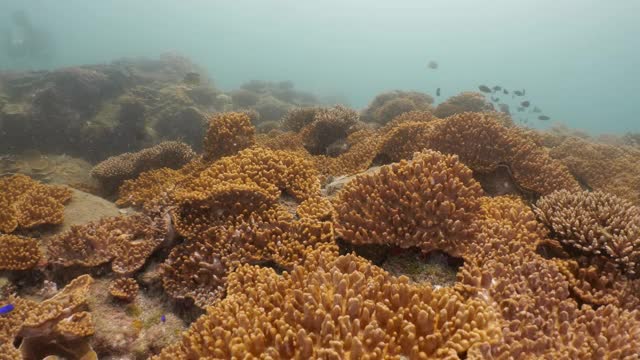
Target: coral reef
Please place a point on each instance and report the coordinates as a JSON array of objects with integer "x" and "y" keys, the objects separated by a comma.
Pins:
[
  {"x": 428, "y": 202},
  {"x": 483, "y": 144},
  {"x": 595, "y": 223},
  {"x": 329, "y": 127},
  {"x": 17, "y": 253},
  {"x": 227, "y": 134},
  {"x": 125, "y": 241},
  {"x": 613, "y": 169},
  {"x": 387, "y": 106},
  {"x": 112, "y": 172},
  {"x": 26, "y": 203},
  {"x": 57, "y": 326},
  {"x": 124, "y": 289},
  {"x": 96, "y": 111},
  {"x": 468, "y": 101},
  {"x": 332, "y": 307}
]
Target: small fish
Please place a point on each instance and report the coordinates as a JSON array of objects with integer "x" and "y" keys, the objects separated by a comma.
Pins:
[
  {"x": 505, "y": 91},
  {"x": 519, "y": 93},
  {"x": 495, "y": 99},
  {"x": 438, "y": 92},
  {"x": 497, "y": 88},
  {"x": 520, "y": 109},
  {"x": 504, "y": 108},
  {"x": 432, "y": 65},
  {"x": 163, "y": 318},
  {"x": 525, "y": 103},
  {"x": 6, "y": 309},
  {"x": 484, "y": 88},
  {"x": 536, "y": 109},
  {"x": 543, "y": 117}
]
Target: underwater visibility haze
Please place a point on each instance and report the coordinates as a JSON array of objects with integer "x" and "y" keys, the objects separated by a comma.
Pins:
[{"x": 332, "y": 179}]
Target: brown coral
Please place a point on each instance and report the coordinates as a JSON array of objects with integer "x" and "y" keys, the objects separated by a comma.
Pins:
[
  {"x": 613, "y": 169},
  {"x": 126, "y": 241},
  {"x": 297, "y": 118},
  {"x": 427, "y": 202},
  {"x": 595, "y": 223},
  {"x": 26, "y": 203},
  {"x": 198, "y": 268},
  {"x": 115, "y": 170},
  {"x": 483, "y": 144},
  {"x": 17, "y": 253},
  {"x": 335, "y": 308},
  {"x": 329, "y": 126},
  {"x": 227, "y": 134},
  {"x": 387, "y": 106},
  {"x": 463, "y": 102},
  {"x": 124, "y": 289}
]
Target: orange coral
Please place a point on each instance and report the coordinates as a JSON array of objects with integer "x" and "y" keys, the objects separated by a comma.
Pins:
[
  {"x": 124, "y": 289},
  {"x": 596, "y": 223},
  {"x": 115, "y": 170},
  {"x": 227, "y": 134},
  {"x": 428, "y": 202},
  {"x": 335, "y": 308},
  {"x": 329, "y": 126},
  {"x": 126, "y": 241},
  {"x": 463, "y": 102},
  {"x": 198, "y": 268},
  {"x": 613, "y": 169},
  {"x": 17, "y": 253},
  {"x": 26, "y": 203},
  {"x": 387, "y": 106},
  {"x": 483, "y": 144}
]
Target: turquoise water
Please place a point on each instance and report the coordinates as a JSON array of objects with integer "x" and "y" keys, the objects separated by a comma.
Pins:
[{"x": 577, "y": 59}]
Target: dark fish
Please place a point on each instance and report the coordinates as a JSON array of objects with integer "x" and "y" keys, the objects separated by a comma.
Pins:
[
  {"x": 497, "y": 88},
  {"x": 543, "y": 117},
  {"x": 520, "y": 109},
  {"x": 432, "y": 65},
  {"x": 536, "y": 109},
  {"x": 519, "y": 93},
  {"x": 484, "y": 88},
  {"x": 163, "y": 318},
  {"x": 525, "y": 103},
  {"x": 6, "y": 309},
  {"x": 438, "y": 92},
  {"x": 505, "y": 91},
  {"x": 504, "y": 108}
]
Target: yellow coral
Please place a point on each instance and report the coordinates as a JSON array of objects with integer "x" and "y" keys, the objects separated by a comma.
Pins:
[
  {"x": 227, "y": 134},
  {"x": 17, "y": 253}
]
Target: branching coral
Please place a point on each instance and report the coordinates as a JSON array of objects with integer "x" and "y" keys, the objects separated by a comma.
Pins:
[
  {"x": 329, "y": 126},
  {"x": 386, "y": 106},
  {"x": 115, "y": 170},
  {"x": 198, "y": 268},
  {"x": 428, "y": 202},
  {"x": 56, "y": 326},
  {"x": 17, "y": 253},
  {"x": 124, "y": 289},
  {"x": 613, "y": 169},
  {"x": 126, "y": 241},
  {"x": 595, "y": 223},
  {"x": 463, "y": 102},
  {"x": 150, "y": 191},
  {"x": 483, "y": 144},
  {"x": 297, "y": 118},
  {"x": 335, "y": 308},
  {"x": 26, "y": 203},
  {"x": 227, "y": 134}
]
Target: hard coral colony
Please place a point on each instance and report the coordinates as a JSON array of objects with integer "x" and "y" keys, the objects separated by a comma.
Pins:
[{"x": 273, "y": 246}]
